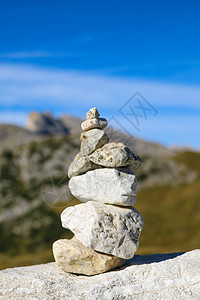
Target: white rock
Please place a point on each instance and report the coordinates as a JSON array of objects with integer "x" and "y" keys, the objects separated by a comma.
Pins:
[
  {"x": 92, "y": 140},
  {"x": 151, "y": 277},
  {"x": 105, "y": 228},
  {"x": 80, "y": 165},
  {"x": 105, "y": 186},
  {"x": 92, "y": 113},
  {"x": 94, "y": 123},
  {"x": 72, "y": 256},
  {"x": 114, "y": 155}
]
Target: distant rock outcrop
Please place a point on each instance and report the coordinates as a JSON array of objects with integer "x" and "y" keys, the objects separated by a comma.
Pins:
[
  {"x": 152, "y": 277},
  {"x": 45, "y": 124}
]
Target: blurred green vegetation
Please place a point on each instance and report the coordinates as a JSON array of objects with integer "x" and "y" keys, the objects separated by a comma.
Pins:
[{"x": 171, "y": 213}]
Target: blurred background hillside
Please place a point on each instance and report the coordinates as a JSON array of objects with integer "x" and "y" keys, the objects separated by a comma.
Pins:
[
  {"x": 33, "y": 190},
  {"x": 139, "y": 64}
]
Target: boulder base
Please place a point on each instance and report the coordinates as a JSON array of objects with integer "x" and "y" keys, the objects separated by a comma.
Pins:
[
  {"x": 73, "y": 257},
  {"x": 151, "y": 277}
]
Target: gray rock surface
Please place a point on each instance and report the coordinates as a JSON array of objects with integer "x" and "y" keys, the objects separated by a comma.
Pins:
[
  {"x": 92, "y": 140},
  {"x": 114, "y": 155},
  {"x": 72, "y": 256},
  {"x": 45, "y": 124},
  {"x": 80, "y": 165},
  {"x": 94, "y": 123},
  {"x": 105, "y": 228},
  {"x": 105, "y": 186},
  {"x": 162, "y": 276}
]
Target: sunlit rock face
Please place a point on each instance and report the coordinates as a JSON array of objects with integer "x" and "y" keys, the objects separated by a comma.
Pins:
[
  {"x": 105, "y": 228},
  {"x": 45, "y": 124},
  {"x": 113, "y": 155},
  {"x": 92, "y": 140},
  {"x": 105, "y": 186}
]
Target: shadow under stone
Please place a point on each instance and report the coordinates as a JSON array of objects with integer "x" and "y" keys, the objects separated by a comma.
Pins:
[{"x": 148, "y": 259}]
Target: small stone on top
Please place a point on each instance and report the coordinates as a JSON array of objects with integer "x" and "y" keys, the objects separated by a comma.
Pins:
[
  {"x": 92, "y": 113},
  {"x": 94, "y": 123}
]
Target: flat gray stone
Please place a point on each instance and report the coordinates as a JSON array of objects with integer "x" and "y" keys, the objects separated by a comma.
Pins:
[
  {"x": 114, "y": 155},
  {"x": 105, "y": 186},
  {"x": 92, "y": 140},
  {"x": 151, "y": 277},
  {"x": 73, "y": 257},
  {"x": 80, "y": 165},
  {"x": 94, "y": 123},
  {"x": 105, "y": 228}
]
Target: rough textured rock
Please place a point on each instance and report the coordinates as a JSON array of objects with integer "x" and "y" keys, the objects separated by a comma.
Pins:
[
  {"x": 80, "y": 165},
  {"x": 152, "y": 277},
  {"x": 105, "y": 186},
  {"x": 92, "y": 113},
  {"x": 105, "y": 228},
  {"x": 72, "y": 256},
  {"x": 94, "y": 123},
  {"x": 92, "y": 140},
  {"x": 114, "y": 155}
]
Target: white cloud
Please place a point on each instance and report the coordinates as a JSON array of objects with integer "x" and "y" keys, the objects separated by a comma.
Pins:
[
  {"x": 24, "y": 88},
  {"x": 22, "y": 84},
  {"x": 38, "y": 54},
  {"x": 24, "y": 54}
]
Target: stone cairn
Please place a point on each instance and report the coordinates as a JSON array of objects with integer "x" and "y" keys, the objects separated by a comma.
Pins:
[{"x": 106, "y": 227}]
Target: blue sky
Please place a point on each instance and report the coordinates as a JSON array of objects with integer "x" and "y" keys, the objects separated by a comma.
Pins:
[{"x": 67, "y": 56}]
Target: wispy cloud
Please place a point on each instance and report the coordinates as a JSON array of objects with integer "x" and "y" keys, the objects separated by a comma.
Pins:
[
  {"x": 24, "y": 54},
  {"x": 39, "y": 54},
  {"x": 21, "y": 84},
  {"x": 25, "y": 88}
]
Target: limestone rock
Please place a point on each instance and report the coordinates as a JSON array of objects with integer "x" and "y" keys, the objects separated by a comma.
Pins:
[
  {"x": 45, "y": 124},
  {"x": 80, "y": 165},
  {"x": 105, "y": 186},
  {"x": 92, "y": 113},
  {"x": 114, "y": 155},
  {"x": 105, "y": 228},
  {"x": 149, "y": 277},
  {"x": 72, "y": 256},
  {"x": 92, "y": 140},
  {"x": 94, "y": 123}
]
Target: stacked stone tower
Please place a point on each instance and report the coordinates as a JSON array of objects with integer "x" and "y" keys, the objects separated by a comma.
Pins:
[{"x": 106, "y": 226}]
